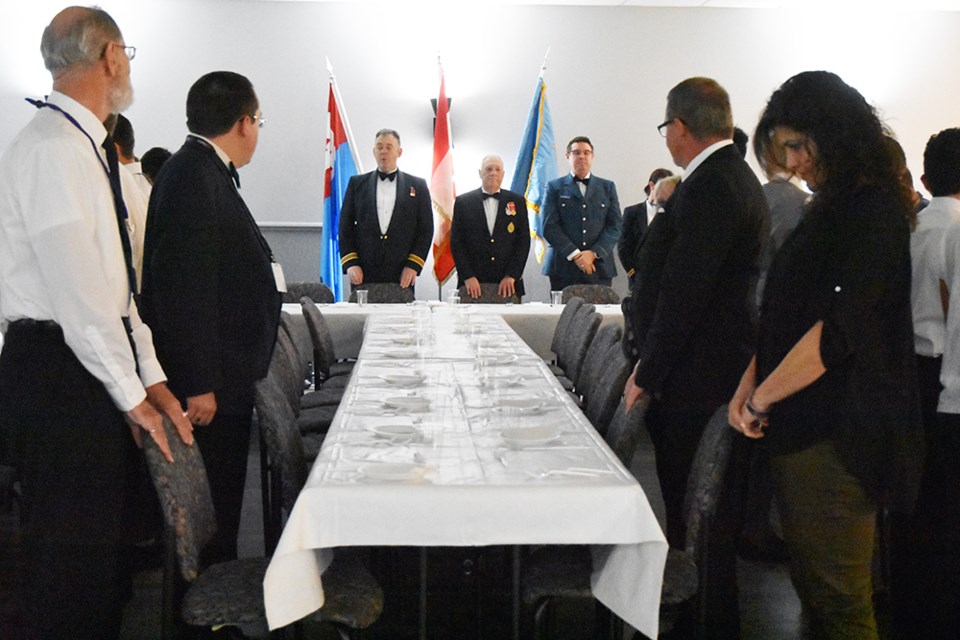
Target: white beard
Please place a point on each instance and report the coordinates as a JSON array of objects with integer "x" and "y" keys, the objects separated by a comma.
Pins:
[{"x": 121, "y": 95}]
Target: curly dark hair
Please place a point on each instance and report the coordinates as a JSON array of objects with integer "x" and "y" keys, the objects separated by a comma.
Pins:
[{"x": 851, "y": 141}]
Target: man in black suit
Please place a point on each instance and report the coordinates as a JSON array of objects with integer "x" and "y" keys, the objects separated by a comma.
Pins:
[
  {"x": 636, "y": 219},
  {"x": 490, "y": 237},
  {"x": 581, "y": 221},
  {"x": 692, "y": 306},
  {"x": 211, "y": 289},
  {"x": 386, "y": 222}
]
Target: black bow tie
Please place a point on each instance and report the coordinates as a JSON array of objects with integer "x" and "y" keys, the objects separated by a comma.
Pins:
[
  {"x": 233, "y": 174},
  {"x": 583, "y": 180},
  {"x": 386, "y": 176},
  {"x": 495, "y": 196}
]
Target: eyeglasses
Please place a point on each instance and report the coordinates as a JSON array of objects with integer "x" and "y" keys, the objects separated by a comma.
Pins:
[
  {"x": 259, "y": 120},
  {"x": 662, "y": 128},
  {"x": 130, "y": 51}
]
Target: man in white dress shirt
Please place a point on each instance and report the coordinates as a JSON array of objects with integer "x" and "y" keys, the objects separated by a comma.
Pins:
[
  {"x": 78, "y": 372},
  {"x": 926, "y": 545}
]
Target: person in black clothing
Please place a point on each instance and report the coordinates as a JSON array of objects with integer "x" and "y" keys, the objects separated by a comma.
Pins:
[{"x": 833, "y": 386}]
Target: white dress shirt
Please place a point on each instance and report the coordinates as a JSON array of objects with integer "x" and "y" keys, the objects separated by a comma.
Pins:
[
  {"x": 386, "y": 199},
  {"x": 652, "y": 210},
  {"x": 60, "y": 252},
  {"x": 935, "y": 255},
  {"x": 703, "y": 155},
  {"x": 136, "y": 202},
  {"x": 490, "y": 210}
]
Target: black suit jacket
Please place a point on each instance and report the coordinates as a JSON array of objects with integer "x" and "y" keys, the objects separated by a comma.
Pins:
[
  {"x": 382, "y": 256},
  {"x": 477, "y": 253},
  {"x": 694, "y": 317},
  {"x": 631, "y": 231},
  {"x": 209, "y": 293}
]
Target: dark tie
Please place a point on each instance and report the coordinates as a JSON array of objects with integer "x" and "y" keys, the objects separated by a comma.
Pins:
[
  {"x": 386, "y": 176},
  {"x": 583, "y": 180},
  {"x": 495, "y": 196},
  {"x": 121, "y": 210},
  {"x": 233, "y": 174}
]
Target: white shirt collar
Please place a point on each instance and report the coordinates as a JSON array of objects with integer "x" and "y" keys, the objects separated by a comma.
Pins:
[
  {"x": 220, "y": 152},
  {"x": 90, "y": 123},
  {"x": 703, "y": 155}
]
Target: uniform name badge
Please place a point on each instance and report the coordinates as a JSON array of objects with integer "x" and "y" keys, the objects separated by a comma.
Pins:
[{"x": 278, "y": 277}]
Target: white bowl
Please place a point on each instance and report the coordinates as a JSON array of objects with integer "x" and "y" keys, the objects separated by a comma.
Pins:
[
  {"x": 407, "y": 403},
  {"x": 403, "y": 379},
  {"x": 392, "y": 471},
  {"x": 529, "y": 436},
  {"x": 401, "y": 354},
  {"x": 519, "y": 406},
  {"x": 396, "y": 432},
  {"x": 497, "y": 359}
]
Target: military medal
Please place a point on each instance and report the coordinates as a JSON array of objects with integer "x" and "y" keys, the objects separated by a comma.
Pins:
[
  {"x": 413, "y": 192},
  {"x": 510, "y": 227},
  {"x": 511, "y": 211}
]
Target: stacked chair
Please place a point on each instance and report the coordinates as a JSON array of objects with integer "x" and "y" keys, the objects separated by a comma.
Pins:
[
  {"x": 328, "y": 372},
  {"x": 385, "y": 292},
  {"x": 592, "y": 293},
  {"x": 574, "y": 343},
  {"x": 564, "y": 572},
  {"x": 488, "y": 295},
  {"x": 316, "y": 291},
  {"x": 231, "y": 593}
]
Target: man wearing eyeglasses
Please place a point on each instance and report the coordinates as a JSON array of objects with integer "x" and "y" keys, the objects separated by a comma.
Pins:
[
  {"x": 581, "y": 221},
  {"x": 78, "y": 372},
  {"x": 211, "y": 290},
  {"x": 693, "y": 310}
]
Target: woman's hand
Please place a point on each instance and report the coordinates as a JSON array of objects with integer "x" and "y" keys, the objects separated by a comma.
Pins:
[{"x": 738, "y": 415}]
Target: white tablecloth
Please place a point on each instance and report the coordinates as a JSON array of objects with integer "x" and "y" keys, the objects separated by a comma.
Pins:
[
  {"x": 453, "y": 480},
  {"x": 534, "y": 322}
]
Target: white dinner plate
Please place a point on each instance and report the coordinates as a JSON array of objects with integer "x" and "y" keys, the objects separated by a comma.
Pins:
[
  {"x": 497, "y": 359},
  {"x": 396, "y": 432},
  {"x": 529, "y": 436},
  {"x": 403, "y": 339},
  {"x": 403, "y": 379},
  {"x": 519, "y": 406},
  {"x": 393, "y": 471},
  {"x": 407, "y": 403},
  {"x": 401, "y": 354}
]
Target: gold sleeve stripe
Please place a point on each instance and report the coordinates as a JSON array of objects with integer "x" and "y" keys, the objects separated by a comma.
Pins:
[
  {"x": 347, "y": 258},
  {"x": 631, "y": 272},
  {"x": 416, "y": 259}
]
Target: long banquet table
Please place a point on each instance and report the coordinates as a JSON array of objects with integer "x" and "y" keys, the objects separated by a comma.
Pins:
[
  {"x": 534, "y": 322},
  {"x": 486, "y": 449}
]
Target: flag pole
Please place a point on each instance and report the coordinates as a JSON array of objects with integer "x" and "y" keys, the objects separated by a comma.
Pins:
[
  {"x": 543, "y": 67},
  {"x": 343, "y": 116}
]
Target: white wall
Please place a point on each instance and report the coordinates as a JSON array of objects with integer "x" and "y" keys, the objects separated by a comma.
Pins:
[{"x": 607, "y": 76}]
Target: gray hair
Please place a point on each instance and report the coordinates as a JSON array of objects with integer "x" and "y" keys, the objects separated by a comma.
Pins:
[
  {"x": 68, "y": 41},
  {"x": 703, "y": 106},
  {"x": 387, "y": 132}
]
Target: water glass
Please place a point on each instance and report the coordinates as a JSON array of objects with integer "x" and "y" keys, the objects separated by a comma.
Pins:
[
  {"x": 362, "y": 297},
  {"x": 556, "y": 298}
]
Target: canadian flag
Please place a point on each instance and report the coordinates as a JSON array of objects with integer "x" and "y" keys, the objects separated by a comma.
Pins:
[{"x": 442, "y": 191}]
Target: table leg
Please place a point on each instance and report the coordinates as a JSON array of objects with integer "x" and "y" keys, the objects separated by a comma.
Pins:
[
  {"x": 423, "y": 593},
  {"x": 516, "y": 592}
]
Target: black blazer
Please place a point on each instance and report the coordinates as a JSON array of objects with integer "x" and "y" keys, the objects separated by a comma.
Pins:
[
  {"x": 382, "y": 256},
  {"x": 633, "y": 227},
  {"x": 209, "y": 293},
  {"x": 693, "y": 298},
  {"x": 477, "y": 253}
]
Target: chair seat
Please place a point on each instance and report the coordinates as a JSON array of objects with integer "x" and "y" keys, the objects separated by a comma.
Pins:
[
  {"x": 351, "y": 596},
  {"x": 565, "y": 382},
  {"x": 231, "y": 593},
  {"x": 555, "y": 369},
  {"x": 312, "y": 442},
  {"x": 316, "y": 419},
  {"x": 327, "y": 396},
  {"x": 557, "y": 572},
  {"x": 345, "y": 368}
]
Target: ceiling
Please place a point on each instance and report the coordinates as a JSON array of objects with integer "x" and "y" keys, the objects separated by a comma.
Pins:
[{"x": 871, "y": 5}]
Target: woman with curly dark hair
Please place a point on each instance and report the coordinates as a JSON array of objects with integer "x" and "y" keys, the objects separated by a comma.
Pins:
[{"x": 833, "y": 385}]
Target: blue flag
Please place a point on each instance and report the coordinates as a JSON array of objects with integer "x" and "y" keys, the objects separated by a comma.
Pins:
[
  {"x": 340, "y": 168},
  {"x": 536, "y": 165}
]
